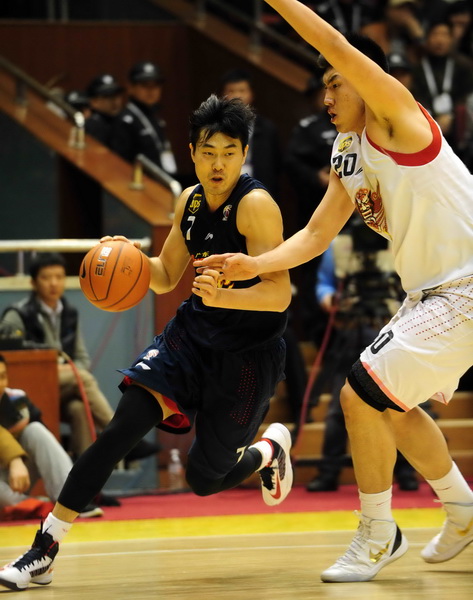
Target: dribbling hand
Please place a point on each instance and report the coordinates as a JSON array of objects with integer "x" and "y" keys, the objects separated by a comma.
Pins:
[{"x": 206, "y": 286}]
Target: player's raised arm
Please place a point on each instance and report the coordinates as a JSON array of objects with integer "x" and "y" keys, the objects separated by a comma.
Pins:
[{"x": 388, "y": 100}]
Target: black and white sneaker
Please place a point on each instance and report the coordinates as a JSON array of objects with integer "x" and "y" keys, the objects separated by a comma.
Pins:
[
  {"x": 35, "y": 566},
  {"x": 277, "y": 476}
]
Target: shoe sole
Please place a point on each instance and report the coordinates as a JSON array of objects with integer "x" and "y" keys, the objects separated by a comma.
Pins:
[
  {"x": 285, "y": 441},
  {"x": 359, "y": 577}
]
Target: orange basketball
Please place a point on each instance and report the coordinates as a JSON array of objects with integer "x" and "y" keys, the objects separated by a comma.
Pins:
[{"x": 114, "y": 276}]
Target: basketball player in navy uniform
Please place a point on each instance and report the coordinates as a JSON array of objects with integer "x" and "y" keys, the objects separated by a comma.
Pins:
[{"x": 218, "y": 360}]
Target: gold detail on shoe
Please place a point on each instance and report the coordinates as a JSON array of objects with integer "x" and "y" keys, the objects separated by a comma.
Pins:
[
  {"x": 463, "y": 532},
  {"x": 374, "y": 558}
]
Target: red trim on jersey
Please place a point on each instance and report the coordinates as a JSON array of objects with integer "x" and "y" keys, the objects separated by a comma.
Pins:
[{"x": 416, "y": 159}]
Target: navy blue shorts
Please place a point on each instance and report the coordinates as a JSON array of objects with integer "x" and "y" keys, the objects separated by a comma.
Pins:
[{"x": 225, "y": 394}]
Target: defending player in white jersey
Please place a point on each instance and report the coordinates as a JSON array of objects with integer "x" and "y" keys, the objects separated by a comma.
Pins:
[{"x": 391, "y": 162}]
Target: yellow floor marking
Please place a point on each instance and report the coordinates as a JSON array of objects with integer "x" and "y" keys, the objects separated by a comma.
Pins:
[{"x": 98, "y": 530}]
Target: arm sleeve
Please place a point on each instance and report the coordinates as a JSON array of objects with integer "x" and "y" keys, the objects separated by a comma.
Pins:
[
  {"x": 9, "y": 448},
  {"x": 12, "y": 318}
]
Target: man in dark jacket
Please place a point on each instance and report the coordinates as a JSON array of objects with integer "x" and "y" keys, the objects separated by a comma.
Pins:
[
  {"x": 140, "y": 129},
  {"x": 106, "y": 101},
  {"x": 263, "y": 161}
]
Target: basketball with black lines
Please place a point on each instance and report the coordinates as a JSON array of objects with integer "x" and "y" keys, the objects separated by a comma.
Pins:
[{"x": 115, "y": 276}]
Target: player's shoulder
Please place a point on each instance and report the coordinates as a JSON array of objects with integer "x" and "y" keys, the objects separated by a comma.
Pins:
[{"x": 257, "y": 202}]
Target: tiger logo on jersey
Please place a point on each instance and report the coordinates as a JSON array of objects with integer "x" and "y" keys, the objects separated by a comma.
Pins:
[
  {"x": 370, "y": 206},
  {"x": 226, "y": 212},
  {"x": 195, "y": 203}
]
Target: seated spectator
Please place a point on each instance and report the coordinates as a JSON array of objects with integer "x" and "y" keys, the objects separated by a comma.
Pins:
[
  {"x": 47, "y": 318},
  {"x": 106, "y": 101},
  {"x": 28, "y": 452}
]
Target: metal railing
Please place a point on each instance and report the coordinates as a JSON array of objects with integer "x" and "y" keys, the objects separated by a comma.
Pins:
[
  {"x": 54, "y": 245},
  {"x": 25, "y": 82},
  {"x": 143, "y": 162},
  {"x": 258, "y": 30},
  {"x": 57, "y": 10}
]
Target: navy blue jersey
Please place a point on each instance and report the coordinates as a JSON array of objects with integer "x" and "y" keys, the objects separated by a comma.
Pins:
[{"x": 205, "y": 233}]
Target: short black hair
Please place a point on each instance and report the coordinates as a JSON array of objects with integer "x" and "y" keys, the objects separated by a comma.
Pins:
[
  {"x": 45, "y": 259},
  {"x": 221, "y": 115},
  {"x": 366, "y": 46},
  {"x": 438, "y": 23},
  {"x": 235, "y": 75}
]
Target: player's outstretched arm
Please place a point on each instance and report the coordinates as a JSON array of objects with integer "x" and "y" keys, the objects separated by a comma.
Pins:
[
  {"x": 259, "y": 220},
  {"x": 385, "y": 96},
  {"x": 327, "y": 220}
]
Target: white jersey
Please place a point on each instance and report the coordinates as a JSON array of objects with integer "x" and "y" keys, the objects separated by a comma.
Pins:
[{"x": 422, "y": 202}]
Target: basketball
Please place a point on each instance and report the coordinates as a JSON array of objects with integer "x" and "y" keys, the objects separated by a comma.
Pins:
[{"x": 114, "y": 276}]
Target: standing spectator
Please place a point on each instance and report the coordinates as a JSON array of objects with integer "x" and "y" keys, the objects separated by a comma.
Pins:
[
  {"x": 106, "y": 101},
  {"x": 263, "y": 161},
  {"x": 47, "y": 318},
  {"x": 356, "y": 16},
  {"x": 140, "y": 128},
  {"x": 307, "y": 163},
  {"x": 79, "y": 101},
  {"x": 401, "y": 68},
  {"x": 28, "y": 452},
  {"x": 460, "y": 17},
  {"x": 443, "y": 80}
]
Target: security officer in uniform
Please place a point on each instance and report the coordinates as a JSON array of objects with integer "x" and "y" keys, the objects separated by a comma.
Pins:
[
  {"x": 106, "y": 101},
  {"x": 139, "y": 129}
]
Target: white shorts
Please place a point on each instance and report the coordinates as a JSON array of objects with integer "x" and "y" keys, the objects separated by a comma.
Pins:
[{"x": 426, "y": 347}]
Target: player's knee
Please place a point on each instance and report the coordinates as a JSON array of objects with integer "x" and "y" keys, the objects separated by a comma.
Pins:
[{"x": 200, "y": 485}]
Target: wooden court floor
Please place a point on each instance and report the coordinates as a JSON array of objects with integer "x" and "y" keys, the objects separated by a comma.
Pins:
[{"x": 274, "y": 566}]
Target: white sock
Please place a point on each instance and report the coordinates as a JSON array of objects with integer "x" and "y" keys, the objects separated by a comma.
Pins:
[
  {"x": 377, "y": 506},
  {"x": 265, "y": 448},
  {"x": 452, "y": 487},
  {"x": 56, "y": 528}
]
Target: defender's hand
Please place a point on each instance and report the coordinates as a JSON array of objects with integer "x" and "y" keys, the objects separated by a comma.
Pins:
[{"x": 233, "y": 267}]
